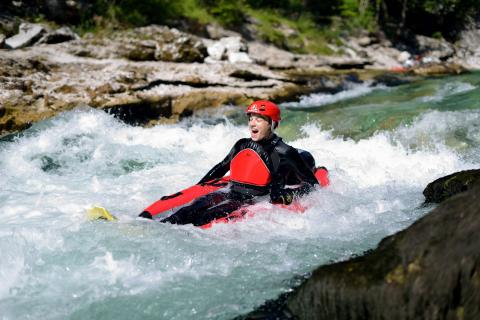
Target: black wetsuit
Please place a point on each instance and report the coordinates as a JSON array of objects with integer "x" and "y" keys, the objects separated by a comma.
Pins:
[{"x": 285, "y": 165}]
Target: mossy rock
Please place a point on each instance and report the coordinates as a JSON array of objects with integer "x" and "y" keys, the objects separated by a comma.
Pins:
[
  {"x": 428, "y": 271},
  {"x": 445, "y": 187}
]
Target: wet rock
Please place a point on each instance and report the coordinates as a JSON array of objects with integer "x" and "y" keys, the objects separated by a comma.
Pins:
[
  {"x": 446, "y": 187},
  {"x": 12, "y": 125},
  {"x": 62, "y": 34},
  {"x": 140, "y": 112},
  {"x": 2, "y": 40},
  {"x": 390, "y": 80},
  {"x": 431, "y": 270},
  {"x": 28, "y": 34},
  {"x": 438, "y": 69}
]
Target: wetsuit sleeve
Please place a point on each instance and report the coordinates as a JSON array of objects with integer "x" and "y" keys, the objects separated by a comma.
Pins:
[
  {"x": 300, "y": 168},
  {"x": 279, "y": 194},
  {"x": 221, "y": 168}
]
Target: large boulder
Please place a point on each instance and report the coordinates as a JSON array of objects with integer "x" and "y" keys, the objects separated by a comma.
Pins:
[
  {"x": 28, "y": 34},
  {"x": 62, "y": 34},
  {"x": 434, "y": 50},
  {"x": 446, "y": 187},
  {"x": 430, "y": 270},
  {"x": 468, "y": 45}
]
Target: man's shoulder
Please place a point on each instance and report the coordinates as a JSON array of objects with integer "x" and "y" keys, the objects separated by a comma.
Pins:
[
  {"x": 241, "y": 143},
  {"x": 283, "y": 147},
  {"x": 242, "y": 140}
]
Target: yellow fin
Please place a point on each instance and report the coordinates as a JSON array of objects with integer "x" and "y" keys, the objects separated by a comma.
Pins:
[{"x": 100, "y": 213}]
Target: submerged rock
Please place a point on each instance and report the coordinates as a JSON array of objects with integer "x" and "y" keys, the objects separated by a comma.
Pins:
[
  {"x": 446, "y": 187},
  {"x": 431, "y": 270},
  {"x": 390, "y": 80}
]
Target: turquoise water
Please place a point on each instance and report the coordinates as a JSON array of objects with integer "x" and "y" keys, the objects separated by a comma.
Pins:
[{"x": 382, "y": 146}]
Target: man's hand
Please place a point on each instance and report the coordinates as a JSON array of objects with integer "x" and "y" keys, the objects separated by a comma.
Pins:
[{"x": 283, "y": 196}]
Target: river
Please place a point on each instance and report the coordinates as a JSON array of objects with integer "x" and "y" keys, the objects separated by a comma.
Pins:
[{"x": 382, "y": 146}]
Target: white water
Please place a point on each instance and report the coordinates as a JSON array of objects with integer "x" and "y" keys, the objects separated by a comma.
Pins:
[
  {"x": 353, "y": 90},
  {"x": 57, "y": 265},
  {"x": 448, "y": 89}
]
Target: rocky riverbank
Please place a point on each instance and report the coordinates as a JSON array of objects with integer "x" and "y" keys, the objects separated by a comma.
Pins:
[
  {"x": 428, "y": 271},
  {"x": 159, "y": 74}
]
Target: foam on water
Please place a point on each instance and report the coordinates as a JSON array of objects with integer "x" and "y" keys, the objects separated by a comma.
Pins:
[
  {"x": 448, "y": 89},
  {"x": 58, "y": 265},
  {"x": 352, "y": 90}
]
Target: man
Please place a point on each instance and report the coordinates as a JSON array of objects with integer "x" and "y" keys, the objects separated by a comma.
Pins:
[{"x": 259, "y": 165}]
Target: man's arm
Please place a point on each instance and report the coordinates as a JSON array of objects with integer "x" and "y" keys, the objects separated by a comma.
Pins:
[
  {"x": 303, "y": 172},
  {"x": 280, "y": 194}
]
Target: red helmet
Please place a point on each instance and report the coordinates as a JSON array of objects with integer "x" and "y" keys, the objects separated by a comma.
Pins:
[{"x": 265, "y": 108}]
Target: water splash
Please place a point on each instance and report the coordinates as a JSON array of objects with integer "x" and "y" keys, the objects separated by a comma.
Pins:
[
  {"x": 352, "y": 90},
  {"x": 60, "y": 266},
  {"x": 449, "y": 89}
]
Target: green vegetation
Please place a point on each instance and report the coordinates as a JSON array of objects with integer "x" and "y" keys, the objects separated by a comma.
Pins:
[
  {"x": 301, "y": 35},
  {"x": 358, "y": 14},
  {"x": 297, "y": 25}
]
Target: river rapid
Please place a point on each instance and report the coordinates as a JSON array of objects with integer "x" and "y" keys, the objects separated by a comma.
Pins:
[{"x": 382, "y": 147}]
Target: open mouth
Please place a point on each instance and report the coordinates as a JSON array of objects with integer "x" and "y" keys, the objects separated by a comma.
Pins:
[{"x": 254, "y": 130}]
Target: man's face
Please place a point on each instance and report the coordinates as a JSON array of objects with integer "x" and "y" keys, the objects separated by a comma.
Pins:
[{"x": 259, "y": 126}]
